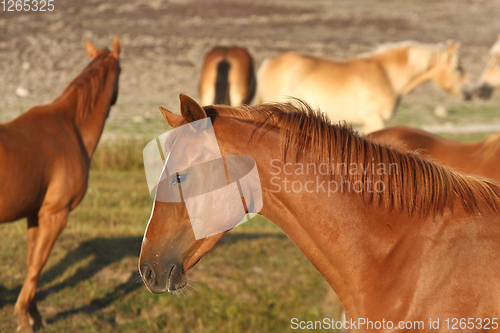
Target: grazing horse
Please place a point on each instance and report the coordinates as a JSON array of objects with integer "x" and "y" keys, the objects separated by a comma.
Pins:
[
  {"x": 489, "y": 80},
  {"x": 227, "y": 77},
  {"x": 478, "y": 158},
  {"x": 398, "y": 237},
  {"x": 45, "y": 157},
  {"x": 364, "y": 90}
]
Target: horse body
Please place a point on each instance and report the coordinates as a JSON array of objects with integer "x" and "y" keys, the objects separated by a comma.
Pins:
[
  {"x": 45, "y": 157},
  {"x": 21, "y": 145},
  {"x": 426, "y": 247},
  {"x": 390, "y": 267},
  {"x": 312, "y": 79},
  {"x": 477, "y": 158},
  {"x": 227, "y": 77},
  {"x": 364, "y": 90},
  {"x": 489, "y": 81}
]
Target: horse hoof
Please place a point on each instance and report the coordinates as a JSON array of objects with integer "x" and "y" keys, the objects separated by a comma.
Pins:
[{"x": 39, "y": 323}]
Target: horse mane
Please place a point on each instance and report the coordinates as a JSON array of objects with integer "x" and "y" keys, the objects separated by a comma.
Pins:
[
  {"x": 419, "y": 186},
  {"x": 420, "y": 55},
  {"x": 90, "y": 83}
]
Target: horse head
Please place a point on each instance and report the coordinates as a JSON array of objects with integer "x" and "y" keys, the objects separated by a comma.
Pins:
[
  {"x": 194, "y": 204},
  {"x": 489, "y": 80},
  {"x": 450, "y": 75}
]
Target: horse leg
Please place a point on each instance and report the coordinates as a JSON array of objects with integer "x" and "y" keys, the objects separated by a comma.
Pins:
[
  {"x": 41, "y": 238},
  {"x": 20, "y": 310},
  {"x": 238, "y": 85},
  {"x": 207, "y": 94},
  {"x": 236, "y": 95},
  {"x": 37, "y": 320}
]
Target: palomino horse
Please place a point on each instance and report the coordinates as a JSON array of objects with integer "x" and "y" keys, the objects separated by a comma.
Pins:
[
  {"x": 227, "y": 77},
  {"x": 479, "y": 158},
  {"x": 399, "y": 238},
  {"x": 489, "y": 80},
  {"x": 364, "y": 90},
  {"x": 45, "y": 156}
]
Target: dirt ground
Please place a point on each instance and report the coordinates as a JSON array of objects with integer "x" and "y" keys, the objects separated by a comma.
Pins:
[{"x": 164, "y": 43}]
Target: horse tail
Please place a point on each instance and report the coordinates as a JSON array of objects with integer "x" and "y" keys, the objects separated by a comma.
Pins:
[
  {"x": 252, "y": 84},
  {"x": 222, "y": 83}
]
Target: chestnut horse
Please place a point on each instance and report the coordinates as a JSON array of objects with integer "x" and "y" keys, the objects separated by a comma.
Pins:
[
  {"x": 364, "y": 90},
  {"x": 478, "y": 158},
  {"x": 489, "y": 80},
  {"x": 45, "y": 156},
  {"x": 398, "y": 237},
  {"x": 227, "y": 77}
]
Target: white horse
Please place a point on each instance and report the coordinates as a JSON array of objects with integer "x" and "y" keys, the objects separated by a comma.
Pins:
[{"x": 364, "y": 90}]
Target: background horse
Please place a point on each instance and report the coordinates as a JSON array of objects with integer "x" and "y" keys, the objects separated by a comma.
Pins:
[
  {"x": 478, "y": 158},
  {"x": 489, "y": 80},
  {"x": 364, "y": 90},
  {"x": 227, "y": 77},
  {"x": 422, "y": 243},
  {"x": 45, "y": 157}
]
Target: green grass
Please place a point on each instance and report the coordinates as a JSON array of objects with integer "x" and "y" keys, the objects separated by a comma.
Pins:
[
  {"x": 457, "y": 114},
  {"x": 254, "y": 280},
  {"x": 123, "y": 154}
]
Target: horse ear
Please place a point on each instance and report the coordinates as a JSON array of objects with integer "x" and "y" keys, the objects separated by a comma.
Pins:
[
  {"x": 90, "y": 48},
  {"x": 172, "y": 119},
  {"x": 116, "y": 48},
  {"x": 452, "y": 46},
  {"x": 190, "y": 110}
]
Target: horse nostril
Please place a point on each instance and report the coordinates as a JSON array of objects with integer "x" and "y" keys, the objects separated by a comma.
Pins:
[
  {"x": 485, "y": 91},
  {"x": 148, "y": 275}
]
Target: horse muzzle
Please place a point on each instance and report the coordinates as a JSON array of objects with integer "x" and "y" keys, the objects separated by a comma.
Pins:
[
  {"x": 158, "y": 281},
  {"x": 484, "y": 91}
]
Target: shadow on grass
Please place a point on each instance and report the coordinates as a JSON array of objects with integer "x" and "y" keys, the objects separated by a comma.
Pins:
[{"x": 104, "y": 252}]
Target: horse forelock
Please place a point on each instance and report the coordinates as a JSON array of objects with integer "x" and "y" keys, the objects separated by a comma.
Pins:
[
  {"x": 417, "y": 186},
  {"x": 90, "y": 83}
]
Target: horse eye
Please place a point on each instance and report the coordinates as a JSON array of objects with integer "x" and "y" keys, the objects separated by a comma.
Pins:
[{"x": 178, "y": 179}]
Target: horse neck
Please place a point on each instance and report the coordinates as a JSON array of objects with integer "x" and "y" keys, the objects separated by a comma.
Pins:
[
  {"x": 90, "y": 126},
  {"x": 403, "y": 78},
  {"x": 340, "y": 234}
]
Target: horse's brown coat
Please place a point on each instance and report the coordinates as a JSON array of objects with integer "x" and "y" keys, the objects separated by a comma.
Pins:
[{"x": 474, "y": 158}]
